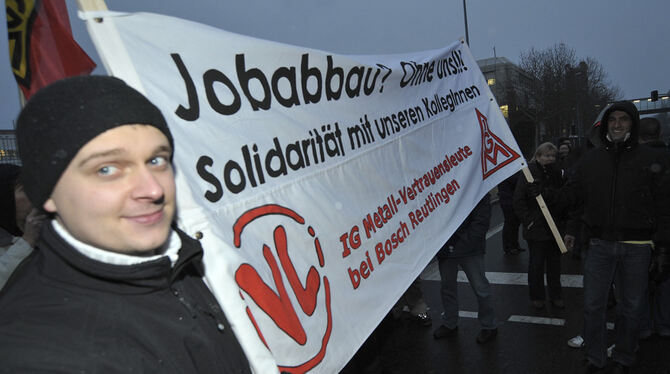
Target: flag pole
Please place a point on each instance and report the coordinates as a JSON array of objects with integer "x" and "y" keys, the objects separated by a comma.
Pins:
[
  {"x": 92, "y": 5},
  {"x": 108, "y": 44},
  {"x": 545, "y": 213}
]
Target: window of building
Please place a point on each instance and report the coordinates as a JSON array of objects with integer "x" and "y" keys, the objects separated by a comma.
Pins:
[
  {"x": 505, "y": 111},
  {"x": 491, "y": 81}
]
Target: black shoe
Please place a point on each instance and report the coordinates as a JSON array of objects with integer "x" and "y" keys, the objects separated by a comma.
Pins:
[
  {"x": 443, "y": 331},
  {"x": 620, "y": 368},
  {"x": 520, "y": 249},
  {"x": 423, "y": 319},
  {"x": 512, "y": 251},
  {"x": 485, "y": 335},
  {"x": 558, "y": 303}
]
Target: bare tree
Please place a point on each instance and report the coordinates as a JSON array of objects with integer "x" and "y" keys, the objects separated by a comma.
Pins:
[{"x": 567, "y": 94}]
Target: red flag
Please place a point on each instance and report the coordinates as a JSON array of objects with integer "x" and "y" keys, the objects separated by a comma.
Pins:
[{"x": 41, "y": 47}]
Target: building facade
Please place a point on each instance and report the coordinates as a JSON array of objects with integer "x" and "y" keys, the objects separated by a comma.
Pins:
[
  {"x": 8, "y": 150},
  {"x": 511, "y": 87}
]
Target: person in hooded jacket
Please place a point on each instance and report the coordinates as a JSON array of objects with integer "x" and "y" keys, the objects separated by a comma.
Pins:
[
  {"x": 656, "y": 308},
  {"x": 112, "y": 286},
  {"x": 542, "y": 248},
  {"x": 620, "y": 190}
]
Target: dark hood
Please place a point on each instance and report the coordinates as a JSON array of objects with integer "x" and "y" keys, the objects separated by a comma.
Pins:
[{"x": 629, "y": 108}]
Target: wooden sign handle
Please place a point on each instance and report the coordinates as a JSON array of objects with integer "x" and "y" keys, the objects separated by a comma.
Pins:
[{"x": 545, "y": 213}]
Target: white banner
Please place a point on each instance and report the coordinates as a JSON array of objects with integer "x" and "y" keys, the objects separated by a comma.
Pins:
[{"x": 322, "y": 184}]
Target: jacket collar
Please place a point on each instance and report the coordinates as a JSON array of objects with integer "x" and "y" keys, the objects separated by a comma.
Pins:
[
  {"x": 169, "y": 249},
  {"x": 66, "y": 264}
]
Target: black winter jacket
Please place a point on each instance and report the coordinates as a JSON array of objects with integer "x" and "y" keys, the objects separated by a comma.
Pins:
[
  {"x": 622, "y": 191},
  {"x": 62, "y": 312},
  {"x": 506, "y": 189},
  {"x": 470, "y": 237},
  {"x": 535, "y": 227}
]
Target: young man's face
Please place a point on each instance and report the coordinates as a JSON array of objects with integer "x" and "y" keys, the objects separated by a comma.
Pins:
[
  {"x": 618, "y": 125},
  {"x": 118, "y": 192}
]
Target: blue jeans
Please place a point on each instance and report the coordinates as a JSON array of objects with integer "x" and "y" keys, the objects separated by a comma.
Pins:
[
  {"x": 628, "y": 266},
  {"x": 473, "y": 266}
]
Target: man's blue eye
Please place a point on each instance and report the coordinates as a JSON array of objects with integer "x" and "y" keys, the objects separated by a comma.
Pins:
[
  {"x": 107, "y": 170},
  {"x": 158, "y": 161}
]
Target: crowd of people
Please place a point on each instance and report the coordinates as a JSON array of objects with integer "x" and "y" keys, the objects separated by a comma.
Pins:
[
  {"x": 96, "y": 196},
  {"x": 610, "y": 200}
]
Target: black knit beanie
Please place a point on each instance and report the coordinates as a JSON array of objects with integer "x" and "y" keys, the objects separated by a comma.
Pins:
[{"x": 61, "y": 118}]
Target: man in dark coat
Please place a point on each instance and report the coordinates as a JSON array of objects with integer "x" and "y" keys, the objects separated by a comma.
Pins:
[
  {"x": 111, "y": 286},
  {"x": 621, "y": 190},
  {"x": 466, "y": 248},
  {"x": 656, "y": 308}
]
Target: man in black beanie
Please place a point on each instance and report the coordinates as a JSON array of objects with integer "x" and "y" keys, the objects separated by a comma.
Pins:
[
  {"x": 112, "y": 286},
  {"x": 620, "y": 190}
]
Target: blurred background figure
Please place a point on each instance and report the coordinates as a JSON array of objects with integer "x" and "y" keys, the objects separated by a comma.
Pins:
[
  {"x": 511, "y": 225},
  {"x": 19, "y": 222},
  {"x": 564, "y": 161},
  {"x": 655, "y": 308},
  {"x": 466, "y": 249}
]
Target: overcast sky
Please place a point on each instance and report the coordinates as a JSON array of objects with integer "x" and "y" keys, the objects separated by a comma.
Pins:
[{"x": 629, "y": 38}]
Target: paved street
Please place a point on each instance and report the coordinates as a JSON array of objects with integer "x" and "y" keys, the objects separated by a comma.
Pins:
[{"x": 528, "y": 341}]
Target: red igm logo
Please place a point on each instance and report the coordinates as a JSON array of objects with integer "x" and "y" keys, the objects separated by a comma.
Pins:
[
  {"x": 495, "y": 153},
  {"x": 275, "y": 302}
]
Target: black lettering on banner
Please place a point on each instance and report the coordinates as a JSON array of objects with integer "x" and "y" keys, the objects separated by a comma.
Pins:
[
  {"x": 228, "y": 177},
  {"x": 214, "y": 76},
  {"x": 244, "y": 76},
  {"x": 306, "y": 73},
  {"x": 289, "y": 75},
  {"x": 333, "y": 94},
  {"x": 210, "y": 178},
  {"x": 191, "y": 113},
  {"x": 277, "y": 153},
  {"x": 260, "y": 92}
]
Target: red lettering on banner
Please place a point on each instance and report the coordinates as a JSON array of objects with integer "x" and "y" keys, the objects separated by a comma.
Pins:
[
  {"x": 366, "y": 268},
  {"x": 386, "y": 248},
  {"x": 355, "y": 277},
  {"x": 352, "y": 239}
]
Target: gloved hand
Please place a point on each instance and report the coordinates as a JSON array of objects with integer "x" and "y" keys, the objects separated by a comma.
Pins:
[
  {"x": 534, "y": 189},
  {"x": 660, "y": 263}
]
